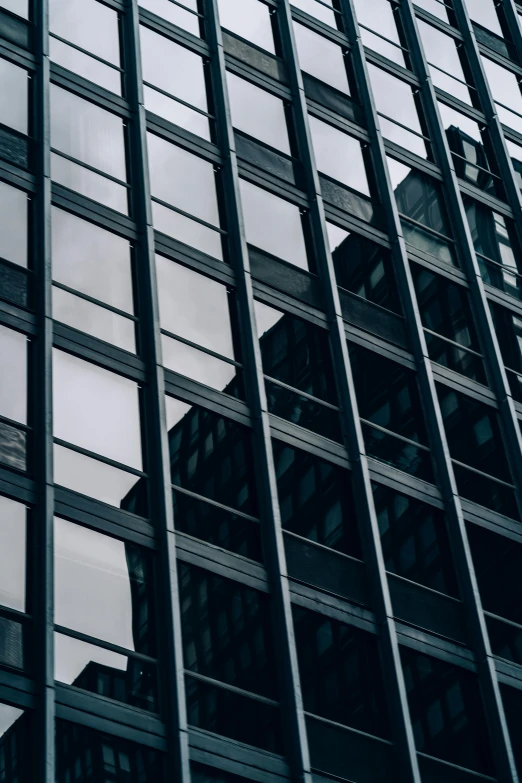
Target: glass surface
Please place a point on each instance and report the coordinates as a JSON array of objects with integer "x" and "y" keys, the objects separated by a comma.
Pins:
[
  {"x": 401, "y": 454},
  {"x": 414, "y": 540},
  {"x": 340, "y": 672},
  {"x": 14, "y": 105},
  {"x": 496, "y": 560},
  {"x": 338, "y": 155},
  {"x": 435, "y": 7},
  {"x": 515, "y": 153},
  {"x": 106, "y": 673},
  {"x": 484, "y": 12},
  {"x": 363, "y": 267},
  {"x": 96, "y": 409},
  {"x": 319, "y": 10},
  {"x": 91, "y": 260},
  {"x": 12, "y": 447},
  {"x": 447, "y": 712},
  {"x": 92, "y": 319},
  {"x": 512, "y": 702},
  {"x": 98, "y": 480},
  {"x": 273, "y": 225},
  {"x": 13, "y": 388},
  {"x": 200, "y": 366},
  {"x": 258, "y": 113},
  {"x": 84, "y": 65},
  {"x": 395, "y": 103},
  {"x": 89, "y": 183},
  {"x": 226, "y": 631},
  {"x": 102, "y": 588},
  {"x": 378, "y": 15},
  {"x": 83, "y": 754},
  {"x": 248, "y": 18},
  {"x": 315, "y": 499},
  {"x": 444, "y": 57},
  {"x": 15, "y": 753},
  {"x": 187, "y": 182},
  {"x": 178, "y": 72},
  {"x": 201, "y": 773},
  {"x": 19, "y": 7},
  {"x": 174, "y": 13},
  {"x": 505, "y": 89},
  {"x": 211, "y": 456},
  {"x": 321, "y": 58},
  {"x": 13, "y": 224},
  {"x": 13, "y": 535},
  {"x": 303, "y": 411}
]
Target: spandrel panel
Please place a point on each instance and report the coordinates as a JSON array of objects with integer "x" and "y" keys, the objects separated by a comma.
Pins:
[
  {"x": 14, "y": 107},
  {"x": 285, "y": 238},
  {"x": 258, "y": 113},
  {"x": 13, "y": 388},
  {"x": 249, "y": 19},
  {"x": 96, "y": 409},
  {"x": 13, "y": 541},
  {"x": 14, "y": 208},
  {"x": 103, "y": 587},
  {"x": 321, "y": 58}
]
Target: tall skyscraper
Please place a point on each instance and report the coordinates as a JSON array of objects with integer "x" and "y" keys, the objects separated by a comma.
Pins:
[{"x": 261, "y": 391}]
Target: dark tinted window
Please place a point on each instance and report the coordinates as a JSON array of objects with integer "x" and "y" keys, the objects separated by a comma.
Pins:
[
  {"x": 497, "y": 562},
  {"x": 446, "y": 711},
  {"x": 512, "y": 699}
]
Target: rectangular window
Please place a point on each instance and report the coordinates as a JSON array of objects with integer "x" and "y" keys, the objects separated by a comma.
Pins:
[
  {"x": 14, "y": 97},
  {"x": 13, "y": 550},
  {"x": 320, "y": 9},
  {"x": 321, "y": 58},
  {"x": 18, "y": 7},
  {"x": 448, "y": 67},
  {"x": 379, "y": 31},
  {"x": 13, "y": 224},
  {"x": 505, "y": 89},
  {"x": 258, "y": 113},
  {"x": 250, "y": 19},
  {"x": 183, "y": 13}
]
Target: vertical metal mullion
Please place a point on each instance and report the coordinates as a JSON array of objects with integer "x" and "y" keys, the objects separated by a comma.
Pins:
[
  {"x": 390, "y": 655},
  {"x": 41, "y": 392},
  {"x": 501, "y": 744},
  {"x": 292, "y": 705},
  {"x": 156, "y": 433}
]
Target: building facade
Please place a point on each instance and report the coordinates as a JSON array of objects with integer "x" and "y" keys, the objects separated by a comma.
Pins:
[{"x": 261, "y": 342}]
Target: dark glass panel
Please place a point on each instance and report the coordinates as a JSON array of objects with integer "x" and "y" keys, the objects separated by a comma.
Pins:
[
  {"x": 508, "y": 328},
  {"x": 486, "y": 491},
  {"x": 304, "y": 411},
  {"x": 418, "y": 197},
  {"x": 201, "y": 773},
  {"x": 447, "y": 711},
  {"x": 340, "y": 672},
  {"x": 83, "y": 755},
  {"x": 211, "y": 455},
  {"x": 497, "y": 565},
  {"x": 217, "y": 526},
  {"x": 226, "y": 631},
  {"x": 175, "y": 13},
  {"x": 414, "y": 540},
  {"x": 505, "y": 639},
  {"x": 233, "y": 715},
  {"x": 512, "y": 699},
  {"x": 398, "y": 452},
  {"x": 315, "y": 499},
  {"x": 15, "y": 750}
]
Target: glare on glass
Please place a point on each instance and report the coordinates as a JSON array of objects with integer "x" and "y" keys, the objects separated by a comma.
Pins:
[
  {"x": 258, "y": 113},
  {"x": 13, "y": 224},
  {"x": 249, "y": 19}
]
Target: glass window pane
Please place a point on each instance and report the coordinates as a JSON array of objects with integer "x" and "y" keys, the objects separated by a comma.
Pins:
[
  {"x": 174, "y": 13},
  {"x": 19, "y": 7},
  {"x": 91, "y": 260},
  {"x": 13, "y": 536},
  {"x": 178, "y": 72},
  {"x": 13, "y": 224},
  {"x": 285, "y": 238},
  {"x": 250, "y": 19},
  {"x": 15, "y": 742},
  {"x": 96, "y": 409},
  {"x": 446, "y": 67},
  {"x": 435, "y": 7},
  {"x": 103, "y": 587},
  {"x": 317, "y": 9},
  {"x": 395, "y": 103},
  {"x": 89, "y": 183},
  {"x": 506, "y": 93},
  {"x": 97, "y": 321},
  {"x": 13, "y": 388},
  {"x": 378, "y": 15},
  {"x": 321, "y": 58},
  {"x": 339, "y": 155},
  {"x": 84, "y": 65},
  {"x": 14, "y": 104},
  {"x": 484, "y": 12},
  {"x": 258, "y": 113}
]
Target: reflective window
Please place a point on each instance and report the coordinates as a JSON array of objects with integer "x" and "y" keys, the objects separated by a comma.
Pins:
[
  {"x": 506, "y": 93},
  {"x": 340, "y": 672},
  {"x": 183, "y": 13},
  {"x": 211, "y": 456},
  {"x": 227, "y": 638},
  {"x": 446, "y": 62},
  {"x": 174, "y": 82},
  {"x": 103, "y": 590},
  {"x": 399, "y": 111},
  {"x": 96, "y": 263},
  {"x": 95, "y": 139},
  {"x": 187, "y": 186},
  {"x": 420, "y": 199},
  {"x": 508, "y": 329},
  {"x": 13, "y": 544},
  {"x": 14, "y": 100},
  {"x": 414, "y": 540},
  {"x": 15, "y": 753},
  {"x": 194, "y": 311},
  {"x": 449, "y": 328},
  {"x": 298, "y": 371},
  {"x": 98, "y": 412},
  {"x": 363, "y": 267},
  {"x": 435, "y": 7},
  {"x": 338, "y": 155},
  {"x": 258, "y": 113},
  {"x": 515, "y": 153},
  {"x": 484, "y": 12},
  {"x": 379, "y": 16},
  {"x": 18, "y": 7},
  {"x": 496, "y": 560},
  {"x": 13, "y": 398},
  {"x": 285, "y": 239},
  {"x": 13, "y": 224},
  {"x": 320, "y": 9},
  {"x": 389, "y": 402},
  {"x": 200, "y": 773},
  {"x": 250, "y": 19},
  {"x": 315, "y": 499},
  {"x": 88, "y": 27},
  {"x": 512, "y": 700},
  {"x": 83, "y": 754},
  {"x": 321, "y": 58},
  {"x": 447, "y": 711}
]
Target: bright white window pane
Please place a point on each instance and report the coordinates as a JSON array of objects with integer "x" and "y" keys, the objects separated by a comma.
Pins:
[
  {"x": 188, "y": 231},
  {"x": 13, "y": 224},
  {"x": 249, "y": 19},
  {"x": 89, "y": 183},
  {"x": 173, "y": 68},
  {"x": 257, "y": 113},
  {"x": 483, "y": 12},
  {"x": 91, "y": 477},
  {"x": 175, "y": 112},
  {"x": 321, "y": 58},
  {"x": 12, "y": 554},
  {"x": 13, "y": 96},
  {"x": 13, "y": 387},
  {"x": 339, "y": 155},
  {"x": 93, "y": 319},
  {"x": 173, "y": 13},
  {"x": 19, "y": 7},
  {"x": 88, "y": 24},
  {"x": 84, "y": 65},
  {"x": 318, "y": 10}
]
